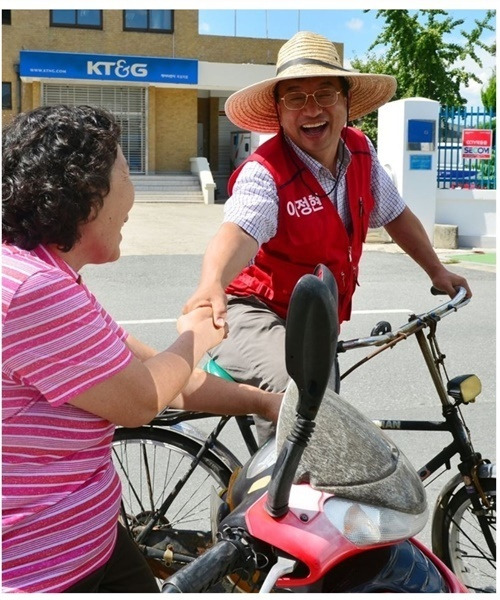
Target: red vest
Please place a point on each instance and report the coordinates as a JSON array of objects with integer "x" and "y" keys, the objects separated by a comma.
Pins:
[{"x": 310, "y": 230}]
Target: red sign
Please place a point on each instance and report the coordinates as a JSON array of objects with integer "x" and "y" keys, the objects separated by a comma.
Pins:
[{"x": 476, "y": 143}]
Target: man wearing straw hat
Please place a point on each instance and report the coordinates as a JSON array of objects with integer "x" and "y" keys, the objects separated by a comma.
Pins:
[{"x": 306, "y": 196}]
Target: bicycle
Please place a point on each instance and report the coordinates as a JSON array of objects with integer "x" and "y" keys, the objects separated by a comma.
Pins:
[{"x": 464, "y": 519}]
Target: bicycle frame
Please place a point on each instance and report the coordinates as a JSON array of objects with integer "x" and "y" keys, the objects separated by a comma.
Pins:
[
  {"x": 452, "y": 423},
  {"x": 461, "y": 440}
]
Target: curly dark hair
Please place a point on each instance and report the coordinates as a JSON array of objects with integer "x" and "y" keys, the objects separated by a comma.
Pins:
[{"x": 56, "y": 170}]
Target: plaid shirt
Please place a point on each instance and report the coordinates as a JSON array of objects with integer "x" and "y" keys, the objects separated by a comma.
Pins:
[{"x": 254, "y": 202}]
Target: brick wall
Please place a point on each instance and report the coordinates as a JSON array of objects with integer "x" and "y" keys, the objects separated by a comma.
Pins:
[{"x": 176, "y": 129}]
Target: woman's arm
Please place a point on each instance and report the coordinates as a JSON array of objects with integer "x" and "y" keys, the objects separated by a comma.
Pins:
[
  {"x": 139, "y": 349},
  {"x": 154, "y": 380},
  {"x": 205, "y": 392},
  {"x": 148, "y": 384}
]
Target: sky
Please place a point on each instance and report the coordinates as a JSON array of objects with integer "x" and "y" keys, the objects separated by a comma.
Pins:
[{"x": 356, "y": 29}]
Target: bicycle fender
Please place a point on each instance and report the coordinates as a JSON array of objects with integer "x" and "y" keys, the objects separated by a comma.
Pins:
[
  {"x": 439, "y": 512},
  {"x": 220, "y": 450},
  {"x": 485, "y": 471}
]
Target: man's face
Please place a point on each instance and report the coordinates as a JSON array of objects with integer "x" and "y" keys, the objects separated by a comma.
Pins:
[{"x": 315, "y": 129}]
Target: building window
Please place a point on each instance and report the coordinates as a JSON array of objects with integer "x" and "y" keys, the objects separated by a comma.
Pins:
[
  {"x": 154, "y": 21},
  {"x": 6, "y": 17},
  {"x": 84, "y": 19},
  {"x": 6, "y": 95}
]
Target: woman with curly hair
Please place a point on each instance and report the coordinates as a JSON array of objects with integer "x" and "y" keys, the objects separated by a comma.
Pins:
[{"x": 70, "y": 373}]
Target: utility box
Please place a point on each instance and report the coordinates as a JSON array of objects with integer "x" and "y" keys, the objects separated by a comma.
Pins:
[
  {"x": 239, "y": 148},
  {"x": 244, "y": 143}
]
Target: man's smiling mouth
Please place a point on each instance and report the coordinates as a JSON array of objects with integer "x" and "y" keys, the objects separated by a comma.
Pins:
[{"x": 313, "y": 128}]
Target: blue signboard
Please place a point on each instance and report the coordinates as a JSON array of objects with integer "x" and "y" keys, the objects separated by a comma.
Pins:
[
  {"x": 420, "y": 162},
  {"x": 107, "y": 67}
]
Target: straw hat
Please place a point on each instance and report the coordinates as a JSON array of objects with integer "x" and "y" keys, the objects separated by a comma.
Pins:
[{"x": 306, "y": 54}]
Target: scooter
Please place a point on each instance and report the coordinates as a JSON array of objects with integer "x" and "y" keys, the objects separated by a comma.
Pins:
[{"x": 330, "y": 504}]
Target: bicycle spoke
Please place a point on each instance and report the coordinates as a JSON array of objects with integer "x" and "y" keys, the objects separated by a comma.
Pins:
[
  {"x": 184, "y": 518},
  {"x": 124, "y": 473},
  {"x": 482, "y": 554},
  {"x": 170, "y": 476},
  {"x": 468, "y": 552}
]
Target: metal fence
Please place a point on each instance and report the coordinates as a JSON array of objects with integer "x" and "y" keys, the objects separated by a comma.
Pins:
[{"x": 466, "y": 148}]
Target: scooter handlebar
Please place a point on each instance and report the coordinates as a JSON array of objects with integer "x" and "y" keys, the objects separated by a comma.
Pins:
[{"x": 222, "y": 559}]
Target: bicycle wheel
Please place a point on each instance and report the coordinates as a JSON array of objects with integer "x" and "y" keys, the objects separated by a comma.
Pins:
[
  {"x": 464, "y": 548},
  {"x": 153, "y": 464}
]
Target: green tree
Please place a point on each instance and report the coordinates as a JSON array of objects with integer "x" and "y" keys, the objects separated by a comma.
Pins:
[
  {"x": 489, "y": 94},
  {"x": 423, "y": 62},
  {"x": 372, "y": 64}
]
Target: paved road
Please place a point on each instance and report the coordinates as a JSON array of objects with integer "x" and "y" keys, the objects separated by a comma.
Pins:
[{"x": 147, "y": 287}]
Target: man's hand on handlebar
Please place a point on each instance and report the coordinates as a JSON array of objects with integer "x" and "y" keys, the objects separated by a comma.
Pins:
[{"x": 448, "y": 282}]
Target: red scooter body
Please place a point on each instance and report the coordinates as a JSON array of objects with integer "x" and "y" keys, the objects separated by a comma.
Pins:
[{"x": 307, "y": 534}]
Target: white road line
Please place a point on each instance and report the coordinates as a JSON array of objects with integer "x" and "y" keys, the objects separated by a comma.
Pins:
[
  {"x": 147, "y": 321},
  {"x": 354, "y": 312},
  {"x": 382, "y": 312}
]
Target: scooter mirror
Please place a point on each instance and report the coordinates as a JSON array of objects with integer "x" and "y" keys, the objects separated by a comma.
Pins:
[
  {"x": 324, "y": 274},
  {"x": 311, "y": 338}
]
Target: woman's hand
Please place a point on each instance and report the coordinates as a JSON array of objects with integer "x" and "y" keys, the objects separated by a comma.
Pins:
[
  {"x": 200, "y": 322},
  {"x": 212, "y": 296}
]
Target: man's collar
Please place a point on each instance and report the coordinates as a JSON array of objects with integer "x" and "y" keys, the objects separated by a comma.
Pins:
[{"x": 314, "y": 165}]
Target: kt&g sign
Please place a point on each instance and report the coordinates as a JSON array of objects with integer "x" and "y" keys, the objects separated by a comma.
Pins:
[
  {"x": 476, "y": 143},
  {"x": 107, "y": 67}
]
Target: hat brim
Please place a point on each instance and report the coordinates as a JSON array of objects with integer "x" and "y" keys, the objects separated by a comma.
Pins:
[{"x": 253, "y": 107}]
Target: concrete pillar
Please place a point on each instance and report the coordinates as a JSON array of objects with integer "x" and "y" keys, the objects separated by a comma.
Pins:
[{"x": 407, "y": 147}]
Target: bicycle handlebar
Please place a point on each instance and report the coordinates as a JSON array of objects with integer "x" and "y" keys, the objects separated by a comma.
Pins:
[
  {"x": 222, "y": 559},
  {"x": 416, "y": 322}
]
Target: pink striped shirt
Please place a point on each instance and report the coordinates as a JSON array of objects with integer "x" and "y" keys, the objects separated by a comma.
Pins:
[{"x": 60, "y": 492}]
